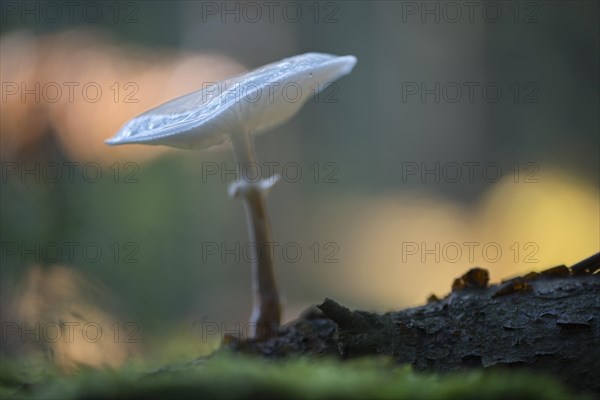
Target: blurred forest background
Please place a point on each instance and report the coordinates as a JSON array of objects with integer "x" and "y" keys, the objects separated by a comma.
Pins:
[{"x": 125, "y": 237}]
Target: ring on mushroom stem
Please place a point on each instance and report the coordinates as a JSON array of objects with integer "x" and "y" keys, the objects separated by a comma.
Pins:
[{"x": 207, "y": 117}]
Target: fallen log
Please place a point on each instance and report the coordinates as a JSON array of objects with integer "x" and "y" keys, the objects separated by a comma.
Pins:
[
  {"x": 546, "y": 321},
  {"x": 543, "y": 321}
]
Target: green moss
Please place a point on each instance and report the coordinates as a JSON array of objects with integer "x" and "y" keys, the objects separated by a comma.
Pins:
[{"x": 235, "y": 376}]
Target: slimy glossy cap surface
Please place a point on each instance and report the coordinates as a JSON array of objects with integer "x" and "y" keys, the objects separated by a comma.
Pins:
[{"x": 252, "y": 102}]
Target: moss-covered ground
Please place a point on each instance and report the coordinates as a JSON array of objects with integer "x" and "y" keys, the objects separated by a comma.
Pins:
[{"x": 227, "y": 376}]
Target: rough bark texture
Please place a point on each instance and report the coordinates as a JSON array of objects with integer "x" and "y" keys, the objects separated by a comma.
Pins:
[{"x": 546, "y": 321}]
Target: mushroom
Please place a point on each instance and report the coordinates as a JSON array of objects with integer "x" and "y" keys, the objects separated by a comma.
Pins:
[{"x": 234, "y": 109}]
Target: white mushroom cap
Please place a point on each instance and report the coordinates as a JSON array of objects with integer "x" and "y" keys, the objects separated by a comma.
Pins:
[{"x": 252, "y": 102}]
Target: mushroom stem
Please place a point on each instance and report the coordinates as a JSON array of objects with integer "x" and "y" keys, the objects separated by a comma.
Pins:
[{"x": 266, "y": 312}]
